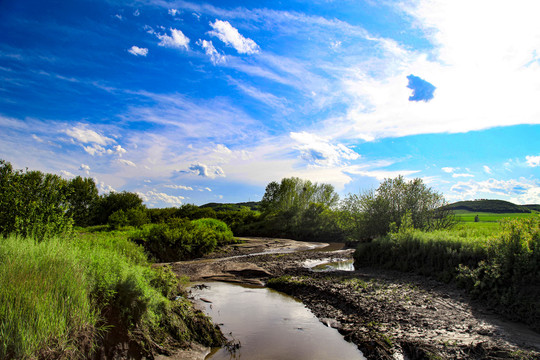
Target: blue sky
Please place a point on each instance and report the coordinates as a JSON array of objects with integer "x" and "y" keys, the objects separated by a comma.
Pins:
[{"x": 196, "y": 102}]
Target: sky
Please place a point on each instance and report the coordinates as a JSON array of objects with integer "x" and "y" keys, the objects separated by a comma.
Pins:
[{"x": 209, "y": 101}]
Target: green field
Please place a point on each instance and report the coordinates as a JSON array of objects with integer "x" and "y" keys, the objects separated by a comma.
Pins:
[{"x": 488, "y": 222}]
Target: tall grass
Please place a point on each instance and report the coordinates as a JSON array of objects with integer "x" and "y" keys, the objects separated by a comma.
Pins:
[
  {"x": 44, "y": 298},
  {"x": 59, "y": 295}
]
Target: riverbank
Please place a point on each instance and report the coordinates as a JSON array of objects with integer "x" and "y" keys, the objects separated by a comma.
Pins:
[{"x": 386, "y": 314}]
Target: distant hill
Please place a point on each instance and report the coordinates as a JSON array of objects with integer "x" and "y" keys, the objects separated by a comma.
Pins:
[
  {"x": 253, "y": 205},
  {"x": 535, "y": 207},
  {"x": 492, "y": 206}
]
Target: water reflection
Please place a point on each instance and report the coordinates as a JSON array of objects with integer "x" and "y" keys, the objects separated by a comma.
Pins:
[{"x": 271, "y": 325}]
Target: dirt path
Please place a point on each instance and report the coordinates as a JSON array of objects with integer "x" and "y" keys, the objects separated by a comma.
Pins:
[{"x": 389, "y": 315}]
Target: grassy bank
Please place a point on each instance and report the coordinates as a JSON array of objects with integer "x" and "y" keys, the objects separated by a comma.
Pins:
[
  {"x": 502, "y": 267},
  {"x": 63, "y": 297}
]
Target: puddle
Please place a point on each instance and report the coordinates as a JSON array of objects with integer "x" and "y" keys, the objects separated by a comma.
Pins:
[
  {"x": 330, "y": 265},
  {"x": 270, "y": 325}
]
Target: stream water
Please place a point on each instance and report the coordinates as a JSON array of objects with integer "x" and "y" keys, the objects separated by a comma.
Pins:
[{"x": 270, "y": 325}]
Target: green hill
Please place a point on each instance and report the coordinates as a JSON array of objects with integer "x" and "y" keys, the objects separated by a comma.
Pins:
[
  {"x": 492, "y": 206},
  {"x": 253, "y": 205}
]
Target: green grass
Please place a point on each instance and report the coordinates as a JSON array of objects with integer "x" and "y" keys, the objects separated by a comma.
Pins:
[
  {"x": 468, "y": 216},
  {"x": 58, "y": 296}
]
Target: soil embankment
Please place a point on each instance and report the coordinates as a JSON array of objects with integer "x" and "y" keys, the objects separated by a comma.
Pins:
[{"x": 387, "y": 314}]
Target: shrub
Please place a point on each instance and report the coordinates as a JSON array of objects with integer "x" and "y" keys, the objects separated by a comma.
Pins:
[{"x": 181, "y": 239}]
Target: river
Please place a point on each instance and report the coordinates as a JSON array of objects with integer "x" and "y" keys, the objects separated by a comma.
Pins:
[{"x": 269, "y": 325}]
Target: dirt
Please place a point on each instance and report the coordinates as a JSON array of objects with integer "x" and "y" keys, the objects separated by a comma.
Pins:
[{"x": 387, "y": 314}]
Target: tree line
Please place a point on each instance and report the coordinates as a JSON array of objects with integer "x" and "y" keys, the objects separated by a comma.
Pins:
[{"x": 40, "y": 204}]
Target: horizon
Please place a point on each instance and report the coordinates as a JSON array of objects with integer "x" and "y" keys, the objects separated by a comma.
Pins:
[{"x": 198, "y": 102}]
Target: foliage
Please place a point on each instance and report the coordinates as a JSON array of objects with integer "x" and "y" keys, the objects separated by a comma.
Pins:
[
  {"x": 58, "y": 295},
  {"x": 299, "y": 209},
  {"x": 510, "y": 274},
  {"x": 115, "y": 201},
  {"x": 187, "y": 211},
  {"x": 370, "y": 214},
  {"x": 32, "y": 203},
  {"x": 181, "y": 239},
  {"x": 82, "y": 196}
]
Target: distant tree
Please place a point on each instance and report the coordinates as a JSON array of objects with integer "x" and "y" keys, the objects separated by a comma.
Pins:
[
  {"x": 113, "y": 202},
  {"x": 372, "y": 212},
  {"x": 82, "y": 196}
]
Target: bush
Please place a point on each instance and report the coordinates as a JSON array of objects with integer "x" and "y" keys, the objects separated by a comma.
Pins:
[{"x": 181, "y": 239}]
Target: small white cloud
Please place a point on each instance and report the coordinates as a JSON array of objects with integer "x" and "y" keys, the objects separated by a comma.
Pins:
[
  {"x": 225, "y": 32},
  {"x": 533, "y": 161},
  {"x": 155, "y": 198},
  {"x": 215, "y": 57},
  {"x": 118, "y": 149},
  {"x": 102, "y": 187},
  {"x": 87, "y": 136},
  {"x": 335, "y": 45},
  {"x": 127, "y": 162},
  {"x": 179, "y": 187},
  {"x": 137, "y": 51},
  {"x": 136, "y": 13},
  {"x": 197, "y": 16},
  {"x": 94, "y": 149},
  {"x": 487, "y": 169},
  {"x": 206, "y": 171},
  {"x": 173, "y": 12},
  {"x": 84, "y": 167},
  {"x": 456, "y": 175},
  {"x": 318, "y": 151},
  {"x": 37, "y": 138},
  {"x": 207, "y": 189},
  {"x": 176, "y": 40},
  {"x": 449, "y": 169},
  {"x": 119, "y": 17},
  {"x": 67, "y": 174}
]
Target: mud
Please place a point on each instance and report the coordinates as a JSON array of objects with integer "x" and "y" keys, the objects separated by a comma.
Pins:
[{"x": 388, "y": 315}]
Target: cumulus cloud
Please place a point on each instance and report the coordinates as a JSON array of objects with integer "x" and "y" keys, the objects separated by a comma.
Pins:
[
  {"x": 533, "y": 161},
  {"x": 173, "y": 12},
  {"x": 67, "y": 174},
  {"x": 137, "y": 51},
  {"x": 179, "y": 187},
  {"x": 519, "y": 191},
  {"x": 117, "y": 149},
  {"x": 206, "y": 171},
  {"x": 449, "y": 169},
  {"x": 156, "y": 198},
  {"x": 487, "y": 169},
  {"x": 87, "y": 136},
  {"x": 225, "y": 32},
  {"x": 320, "y": 152},
  {"x": 177, "y": 39},
  {"x": 84, "y": 167},
  {"x": 94, "y": 149},
  {"x": 215, "y": 57}
]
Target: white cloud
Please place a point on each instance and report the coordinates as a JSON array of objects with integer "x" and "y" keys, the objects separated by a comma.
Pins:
[
  {"x": 117, "y": 149},
  {"x": 449, "y": 169},
  {"x": 207, "y": 189},
  {"x": 215, "y": 57},
  {"x": 173, "y": 12},
  {"x": 320, "y": 152},
  {"x": 127, "y": 162},
  {"x": 119, "y": 17},
  {"x": 487, "y": 169},
  {"x": 518, "y": 191},
  {"x": 137, "y": 51},
  {"x": 157, "y": 198},
  {"x": 136, "y": 12},
  {"x": 37, "y": 138},
  {"x": 102, "y": 187},
  {"x": 94, "y": 149},
  {"x": 206, "y": 171},
  {"x": 67, "y": 174},
  {"x": 533, "y": 161},
  {"x": 225, "y": 32},
  {"x": 179, "y": 187},
  {"x": 176, "y": 40},
  {"x": 84, "y": 167},
  {"x": 456, "y": 175},
  {"x": 87, "y": 136}
]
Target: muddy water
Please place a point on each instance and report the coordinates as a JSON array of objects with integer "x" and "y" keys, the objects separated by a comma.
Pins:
[{"x": 270, "y": 325}]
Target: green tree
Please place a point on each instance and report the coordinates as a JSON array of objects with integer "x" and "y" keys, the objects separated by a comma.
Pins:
[
  {"x": 371, "y": 213},
  {"x": 82, "y": 196},
  {"x": 32, "y": 203},
  {"x": 113, "y": 202}
]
